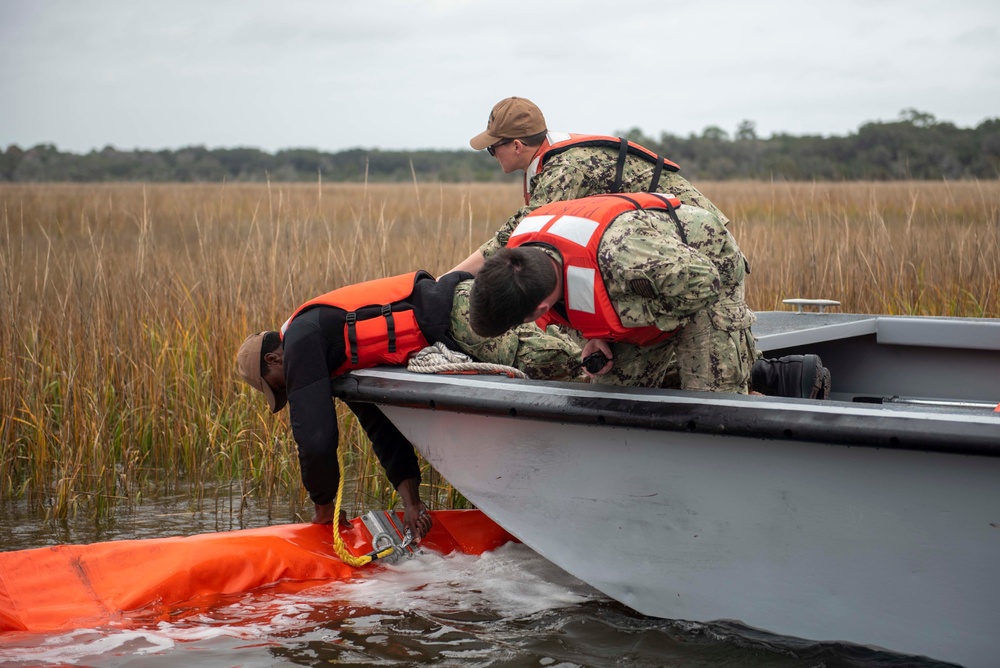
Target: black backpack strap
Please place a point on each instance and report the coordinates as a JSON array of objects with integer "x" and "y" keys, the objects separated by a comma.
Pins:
[{"x": 632, "y": 200}]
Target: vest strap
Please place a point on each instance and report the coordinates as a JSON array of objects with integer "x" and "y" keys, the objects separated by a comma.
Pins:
[
  {"x": 620, "y": 167},
  {"x": 390, "y": 326},
  {"x": 352, "y": 335},
  {"x": 656, "y": 174},
  {"x": 672, "y": 212}
]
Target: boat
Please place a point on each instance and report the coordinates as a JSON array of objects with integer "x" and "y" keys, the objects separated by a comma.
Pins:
[
  {"x": 136, "y": 582},
  {"x": 871, "y": 517}
]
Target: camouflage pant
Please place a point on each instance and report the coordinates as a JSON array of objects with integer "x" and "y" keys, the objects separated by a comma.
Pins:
[{"x": 700, "y": 356}]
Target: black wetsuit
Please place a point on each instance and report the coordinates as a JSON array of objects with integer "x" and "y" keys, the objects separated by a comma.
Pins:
[{"x": 314, "y": 347}]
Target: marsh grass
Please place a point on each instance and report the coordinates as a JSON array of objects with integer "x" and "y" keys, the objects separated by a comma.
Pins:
[
  {"x": 123, "y": 306},
  {"x": 913, "y": 248}
]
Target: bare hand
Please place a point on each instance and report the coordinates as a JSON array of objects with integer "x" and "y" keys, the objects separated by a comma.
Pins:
[
  {"x": 415, "y": 515},
  {"x": 417, "y": 520}
]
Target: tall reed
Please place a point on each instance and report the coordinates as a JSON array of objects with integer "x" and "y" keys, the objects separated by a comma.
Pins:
[
  {"x": 123, "y": 305},
  {"x": 914, "y": 248}
]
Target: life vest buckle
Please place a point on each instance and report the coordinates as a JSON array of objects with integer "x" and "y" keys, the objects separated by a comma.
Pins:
[
  {"x": 352, "y": 335},
  {"x": 390, "y": 326}
]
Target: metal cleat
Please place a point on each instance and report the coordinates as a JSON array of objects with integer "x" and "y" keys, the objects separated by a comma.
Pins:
[{"x": 820, "y": 303}]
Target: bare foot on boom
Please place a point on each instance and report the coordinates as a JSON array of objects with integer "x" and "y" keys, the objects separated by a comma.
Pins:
[{"x": 324, "y": 515}]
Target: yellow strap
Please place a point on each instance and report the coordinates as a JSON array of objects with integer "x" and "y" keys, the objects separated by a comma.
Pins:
[{"x": 338, "y": 542}]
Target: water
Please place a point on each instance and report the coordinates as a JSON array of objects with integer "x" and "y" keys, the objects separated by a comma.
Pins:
[{"x": 509, "y": 607}]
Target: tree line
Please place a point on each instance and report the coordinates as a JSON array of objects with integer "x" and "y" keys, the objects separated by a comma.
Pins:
[{"x": 915, "y": 146}]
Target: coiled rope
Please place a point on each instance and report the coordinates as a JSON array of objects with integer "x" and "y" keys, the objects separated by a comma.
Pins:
[{"x": 438, "y": 358}]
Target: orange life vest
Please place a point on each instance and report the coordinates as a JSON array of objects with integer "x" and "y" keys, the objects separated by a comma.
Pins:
[
  {"x": 557, "y": 142},
  {"x": 574, "y": 228},
  {"x": 380, "y": 324}
]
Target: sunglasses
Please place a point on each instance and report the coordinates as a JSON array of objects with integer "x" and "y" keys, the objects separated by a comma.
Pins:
[{"x": 492, "y": 149}]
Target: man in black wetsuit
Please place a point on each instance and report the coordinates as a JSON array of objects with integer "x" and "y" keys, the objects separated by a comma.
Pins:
[{"x": 296, "y": 365}]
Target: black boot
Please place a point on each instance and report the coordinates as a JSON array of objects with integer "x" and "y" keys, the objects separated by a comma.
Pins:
[{"x": 802, "y": 376}]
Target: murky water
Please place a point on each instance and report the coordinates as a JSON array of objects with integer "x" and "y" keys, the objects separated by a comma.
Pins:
[
  {"x": 509, "y": 607},
  {"x": 182, "y": 512}
]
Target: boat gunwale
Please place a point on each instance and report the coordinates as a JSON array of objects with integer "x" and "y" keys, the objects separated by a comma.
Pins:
[{"x": 832, "y": 422}]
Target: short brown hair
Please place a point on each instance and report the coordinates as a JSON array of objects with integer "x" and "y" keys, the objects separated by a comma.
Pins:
[
  {"x": 508, "y": 289},
  {"x": 534, "y": 140}
]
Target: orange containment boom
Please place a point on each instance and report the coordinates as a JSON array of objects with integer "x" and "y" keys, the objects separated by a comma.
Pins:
[{"x": 71, "y": 586}]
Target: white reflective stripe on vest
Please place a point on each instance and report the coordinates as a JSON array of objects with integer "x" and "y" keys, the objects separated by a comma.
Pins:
[
  {"x": 571, "y": 228},
  {"x": 580, "y": 289},
  {"x": 531, "y": 224},
  {"x": 575, "y": 229}
]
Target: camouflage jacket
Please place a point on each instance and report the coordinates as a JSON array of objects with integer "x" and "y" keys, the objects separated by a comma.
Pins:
[
  {"x": 658, "y": 274},
  {"x": 583, "y": 171}
]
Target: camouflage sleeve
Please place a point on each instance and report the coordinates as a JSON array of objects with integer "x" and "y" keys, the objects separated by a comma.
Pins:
[
  {"x": 675, "y": 184},
  {"x": 499, "y": 240},
  {"x": 541, "y": 354},
  {"x": 653, "y": 277},
  {"x": 584, "y": 171},
  {"x": 564, "y": 178}
]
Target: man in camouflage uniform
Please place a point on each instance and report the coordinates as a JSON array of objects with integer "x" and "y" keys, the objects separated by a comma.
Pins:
[
  {"x": 685, "y": 278},
  {"x": 515, "y": 134}
]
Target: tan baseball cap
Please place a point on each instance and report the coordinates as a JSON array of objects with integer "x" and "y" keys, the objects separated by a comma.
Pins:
[
  {"x": 248, "y": 366},
  {"x": 511, "y": 118}
]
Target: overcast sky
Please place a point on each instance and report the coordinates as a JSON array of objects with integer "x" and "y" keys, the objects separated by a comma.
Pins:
[{"x": 407, "y": 74}]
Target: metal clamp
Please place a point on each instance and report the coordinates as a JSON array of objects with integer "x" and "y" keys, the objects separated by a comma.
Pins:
[{"x": 387, "y": 531}]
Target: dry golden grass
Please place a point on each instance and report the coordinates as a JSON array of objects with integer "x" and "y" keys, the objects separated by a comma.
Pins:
[
  {"x": 913, "y": 248},
  {"x": 123, "y": 306}
]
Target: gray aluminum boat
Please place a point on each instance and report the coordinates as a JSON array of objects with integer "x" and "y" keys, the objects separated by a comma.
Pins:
[{"x": 870, "y": 518}]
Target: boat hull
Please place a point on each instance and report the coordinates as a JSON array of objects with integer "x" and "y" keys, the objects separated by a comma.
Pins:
[
  {"x": 866, "y": 545},
  {"x": 871, "y": 518}
]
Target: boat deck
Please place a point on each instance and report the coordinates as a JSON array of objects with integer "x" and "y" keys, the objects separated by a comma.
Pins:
[{"x": 921, "y": 361}]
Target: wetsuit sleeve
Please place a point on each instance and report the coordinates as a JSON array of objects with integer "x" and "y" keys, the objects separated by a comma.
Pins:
[
  {"x": 311, "y": 409},
  {"x": 310, "y": 358},
  {"x": 394, "y": 452},
  {"x": 313, "y": 415}
]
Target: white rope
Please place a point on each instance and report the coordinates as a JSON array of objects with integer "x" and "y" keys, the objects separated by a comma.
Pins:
[{"x": 438, "y": 358}]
